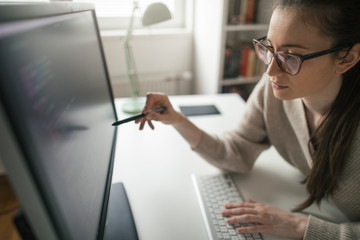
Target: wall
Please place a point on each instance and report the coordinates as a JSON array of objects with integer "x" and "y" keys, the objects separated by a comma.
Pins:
[
  {"x": 207, "y": 44},
  {"x": 156, "y": 54}
]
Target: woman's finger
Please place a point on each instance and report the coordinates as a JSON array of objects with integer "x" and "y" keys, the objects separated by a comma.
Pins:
[
  {"x": 245, "y": 218},
  {"x": 239, "y": 211},
  {"x": 142, "y": 124},
  {"x": 256, "y": 228},
  {"x": 238, "y": 205},
  {"x": 150, "y": 124}
]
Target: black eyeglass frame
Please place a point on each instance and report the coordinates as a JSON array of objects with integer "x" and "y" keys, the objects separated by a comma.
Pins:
[{"x": 301, "y": 58}]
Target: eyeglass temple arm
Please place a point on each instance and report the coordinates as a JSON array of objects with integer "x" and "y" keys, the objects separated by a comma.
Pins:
[{"x": 321, "y": 53}]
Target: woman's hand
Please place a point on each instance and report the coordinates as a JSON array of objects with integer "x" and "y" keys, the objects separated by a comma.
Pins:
[
  {"x": 268, "y": 219},
  {"x": 156, "y": 100},
  {"x": 191, "y": 133}
]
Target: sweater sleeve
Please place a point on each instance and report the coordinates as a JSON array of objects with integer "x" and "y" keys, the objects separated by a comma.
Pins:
[
  {"x": 319, "y": 229},
  {"x": 237, "y": 150}
]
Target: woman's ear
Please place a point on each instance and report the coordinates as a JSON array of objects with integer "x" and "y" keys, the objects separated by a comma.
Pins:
[{"x": 347, "y": 62}]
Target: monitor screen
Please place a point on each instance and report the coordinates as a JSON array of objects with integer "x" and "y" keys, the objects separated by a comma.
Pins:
[{"x": 55, "y": 88}]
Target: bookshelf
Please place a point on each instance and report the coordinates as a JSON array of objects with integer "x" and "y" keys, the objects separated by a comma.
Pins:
[{"x": 225, "y": 60}]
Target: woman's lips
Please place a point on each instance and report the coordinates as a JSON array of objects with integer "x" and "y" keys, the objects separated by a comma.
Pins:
[{"x": 278, "y": 86}]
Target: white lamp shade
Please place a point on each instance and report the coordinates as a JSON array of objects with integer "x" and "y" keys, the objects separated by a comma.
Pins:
[{"x": 155, "y": 13}]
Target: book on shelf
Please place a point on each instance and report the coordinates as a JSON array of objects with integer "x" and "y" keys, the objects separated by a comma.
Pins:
[
  {"x": 242, "y": 11},
  {"x": 241, "y": 61}
]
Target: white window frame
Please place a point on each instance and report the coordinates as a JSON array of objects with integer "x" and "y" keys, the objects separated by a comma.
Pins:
[{"x": 178, "y": 20}]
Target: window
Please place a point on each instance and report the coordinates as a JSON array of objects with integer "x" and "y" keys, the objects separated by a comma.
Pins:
[{"x": 115, "y": 14}]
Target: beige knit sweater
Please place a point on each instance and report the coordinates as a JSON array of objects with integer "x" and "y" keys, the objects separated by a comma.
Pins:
[{"x": 269, "y": 121}]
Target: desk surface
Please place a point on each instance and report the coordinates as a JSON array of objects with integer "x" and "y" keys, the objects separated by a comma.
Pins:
[{"x": 155, "y": 167}]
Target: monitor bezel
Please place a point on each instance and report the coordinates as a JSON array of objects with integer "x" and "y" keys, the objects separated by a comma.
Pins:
[{"x": 12, "y": 153}]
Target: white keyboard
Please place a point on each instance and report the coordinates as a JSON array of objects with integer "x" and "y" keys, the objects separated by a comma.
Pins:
[{"x": 213, "y": 191}]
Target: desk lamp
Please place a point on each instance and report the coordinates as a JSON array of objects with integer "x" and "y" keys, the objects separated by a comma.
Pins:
[{"x": 154, "y": 13}]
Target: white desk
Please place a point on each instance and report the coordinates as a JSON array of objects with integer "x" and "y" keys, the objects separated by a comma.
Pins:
[{"x": 155, "y": 167}]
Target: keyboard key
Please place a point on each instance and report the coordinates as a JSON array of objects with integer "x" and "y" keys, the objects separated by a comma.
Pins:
[
  {"x": 221, "y": 222},
  {"x": 223, "y": 229},
  {"x": 219, "y": 216},
  {"x": 226, "y": 236},
  {"x": 232, "y": 232}
]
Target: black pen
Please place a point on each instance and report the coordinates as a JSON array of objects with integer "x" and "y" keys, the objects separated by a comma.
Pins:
[{"x": 160, "y": 109}]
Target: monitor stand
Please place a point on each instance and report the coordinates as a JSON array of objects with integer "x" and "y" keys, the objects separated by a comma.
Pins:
[
  {"x": 120, "y": 222},
  {"x": 22, "y": 225}
]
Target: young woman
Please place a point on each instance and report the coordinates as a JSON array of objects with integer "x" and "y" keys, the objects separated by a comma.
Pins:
[{"x": 307, "y": 105}]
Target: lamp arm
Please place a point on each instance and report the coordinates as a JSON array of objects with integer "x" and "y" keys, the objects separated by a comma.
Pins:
[
  {"x": 132, "y": 72},
  {"x": 130, "y": 60},
  {"x": 131, "y": 24}
]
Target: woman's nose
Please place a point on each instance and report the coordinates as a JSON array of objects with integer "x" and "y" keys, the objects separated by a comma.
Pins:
[{"x": 273, "y": 68}]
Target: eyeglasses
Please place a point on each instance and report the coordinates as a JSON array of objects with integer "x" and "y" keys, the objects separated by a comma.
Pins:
[{"x": 288, "y": 62}]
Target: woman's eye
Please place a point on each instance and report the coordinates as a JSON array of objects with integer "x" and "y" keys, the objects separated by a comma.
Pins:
[{"x": 271, "y": 47}]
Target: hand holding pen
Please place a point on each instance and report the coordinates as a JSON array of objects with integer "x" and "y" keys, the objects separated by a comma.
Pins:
[
  {"x": 153, "y": 101},
  {"x": 160, "y": 109},
  {"x": 191, "y": 133}
]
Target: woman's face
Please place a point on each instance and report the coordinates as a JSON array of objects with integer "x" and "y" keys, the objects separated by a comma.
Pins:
[{"x": 288, "y": 32}]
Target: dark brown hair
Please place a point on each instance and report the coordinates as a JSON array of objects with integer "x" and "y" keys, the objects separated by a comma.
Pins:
[{"x": 340, "y": 21}]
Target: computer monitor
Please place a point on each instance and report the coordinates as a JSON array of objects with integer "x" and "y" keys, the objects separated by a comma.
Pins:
[{"x": 56, "y": 114}]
